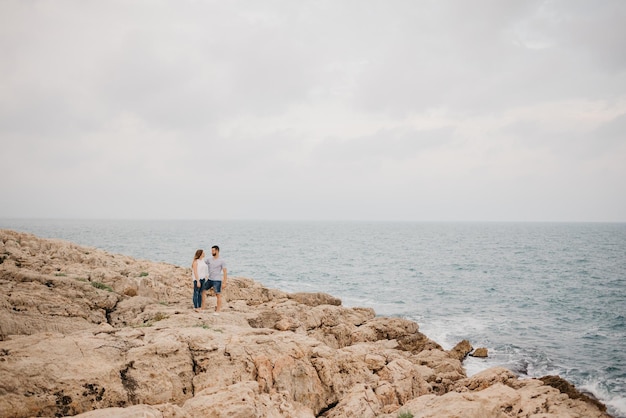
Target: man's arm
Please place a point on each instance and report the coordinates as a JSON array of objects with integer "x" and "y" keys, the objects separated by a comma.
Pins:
[{"x": 225, "y": 273}]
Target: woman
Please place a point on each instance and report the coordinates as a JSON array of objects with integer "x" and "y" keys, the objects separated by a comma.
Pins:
[{"x": 199, "y": 273}]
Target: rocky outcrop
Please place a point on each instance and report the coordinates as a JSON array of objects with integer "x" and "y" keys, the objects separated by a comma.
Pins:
[
  {"x": 481, "y": 352},
  {"x": 567, "y": 388},
  {"x": 461, "y": 350},
  {"x": 87, "y": 333}
]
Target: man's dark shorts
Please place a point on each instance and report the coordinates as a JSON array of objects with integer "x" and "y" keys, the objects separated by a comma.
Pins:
[{"x": 215, "y": 284}]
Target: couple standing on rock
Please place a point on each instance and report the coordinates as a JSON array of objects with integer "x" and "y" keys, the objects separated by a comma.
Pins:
[{"x": 208, "y": 273}]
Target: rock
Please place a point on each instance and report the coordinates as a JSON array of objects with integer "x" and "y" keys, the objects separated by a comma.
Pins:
[
  {"x": 375, "y": 362},
  {"x": 485, "y": 379},
  {"x": 144, "y": 411},
  {"x": 405, "y": 332},
  {"x": 360, "y": 401},
  {"x": 251, "y": 292},
  {"x": 244, "y": 400},
  {"x": 480, "y": 352},
  {"x": 265, "y": 319},
  {"x": 446, "y": 369},
  {"x": 497, "y": 401},
  {"x": 315, "y": 299},
  {"x": 461, "y": 350},
  {"x": 567, "y": 388}
]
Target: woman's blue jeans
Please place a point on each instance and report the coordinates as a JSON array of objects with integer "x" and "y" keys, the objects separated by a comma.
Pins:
[{"x": 197, "y": 293}]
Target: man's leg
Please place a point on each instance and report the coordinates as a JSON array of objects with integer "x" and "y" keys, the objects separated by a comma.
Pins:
[
  {"x": 218, "y": 293},
  {"x": 203, "y": 299}
]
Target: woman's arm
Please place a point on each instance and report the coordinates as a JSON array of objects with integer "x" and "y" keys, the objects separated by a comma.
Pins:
[{"x": 194, "y": 267}]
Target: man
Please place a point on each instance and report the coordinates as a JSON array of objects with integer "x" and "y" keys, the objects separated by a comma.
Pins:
[{"x": 217, "y": 276}]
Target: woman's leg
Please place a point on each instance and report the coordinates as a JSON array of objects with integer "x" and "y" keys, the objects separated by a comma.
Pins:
[{"x": 196, "y": 294}]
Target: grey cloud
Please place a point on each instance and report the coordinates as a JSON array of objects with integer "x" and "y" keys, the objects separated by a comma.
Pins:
[
  {"x": 166, "y": 89},
  {"x": 186, "y": 67},
  {"x": 469, "y": 62},
  {"x": 386, "y": 144},
  {"x": 593, "y": 31},
  {"x": 178, "y": 67},
  {"x": 608, "y": 137},
  {"x": 167, "y": 94}
]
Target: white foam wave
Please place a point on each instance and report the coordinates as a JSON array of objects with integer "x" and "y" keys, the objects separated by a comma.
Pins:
[{"x": 615, "y": 404}]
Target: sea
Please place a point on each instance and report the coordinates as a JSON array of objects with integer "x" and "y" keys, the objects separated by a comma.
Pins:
[{"x": 543, "y": 298}]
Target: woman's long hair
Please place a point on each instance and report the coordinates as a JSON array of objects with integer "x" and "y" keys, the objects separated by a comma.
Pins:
[{"x": 198, "y": 254}]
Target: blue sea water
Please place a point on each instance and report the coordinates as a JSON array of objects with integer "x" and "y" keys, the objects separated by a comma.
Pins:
[{"x": 544, "y": 298}]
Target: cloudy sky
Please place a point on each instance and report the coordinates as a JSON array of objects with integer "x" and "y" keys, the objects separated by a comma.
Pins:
[{"x": 486, "y": 110}]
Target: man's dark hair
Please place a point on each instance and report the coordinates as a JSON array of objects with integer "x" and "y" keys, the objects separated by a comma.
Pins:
[{"x": 216, "y": 247}]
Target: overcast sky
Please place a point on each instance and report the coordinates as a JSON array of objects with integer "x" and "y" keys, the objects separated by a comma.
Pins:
[{"x": 484, "y": 110}]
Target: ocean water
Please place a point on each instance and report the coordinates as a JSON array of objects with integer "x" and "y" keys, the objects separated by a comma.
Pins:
[{"x": 544, "y": 298}]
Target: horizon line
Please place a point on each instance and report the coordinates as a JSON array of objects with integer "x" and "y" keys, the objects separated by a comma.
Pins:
[{"x": 301, "y": 220}]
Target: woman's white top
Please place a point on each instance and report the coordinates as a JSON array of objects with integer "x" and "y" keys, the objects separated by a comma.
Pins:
[{"x": 203, "y": 270}]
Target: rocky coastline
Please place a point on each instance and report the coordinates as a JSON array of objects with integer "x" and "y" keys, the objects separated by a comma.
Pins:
[{"x": 91, "y": 334}]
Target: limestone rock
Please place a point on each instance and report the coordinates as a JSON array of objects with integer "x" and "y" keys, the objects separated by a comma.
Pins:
[
  {"x": 144, "y": 411},
  {"x": 567, "y": 388},
  {"x": 497, "y": 401},
  {"x": 315, "y": 299},
  {"x": 461, "y": 350},
  {"x": 481, "y": 352},
  {"x": 485, "y": 379}
]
